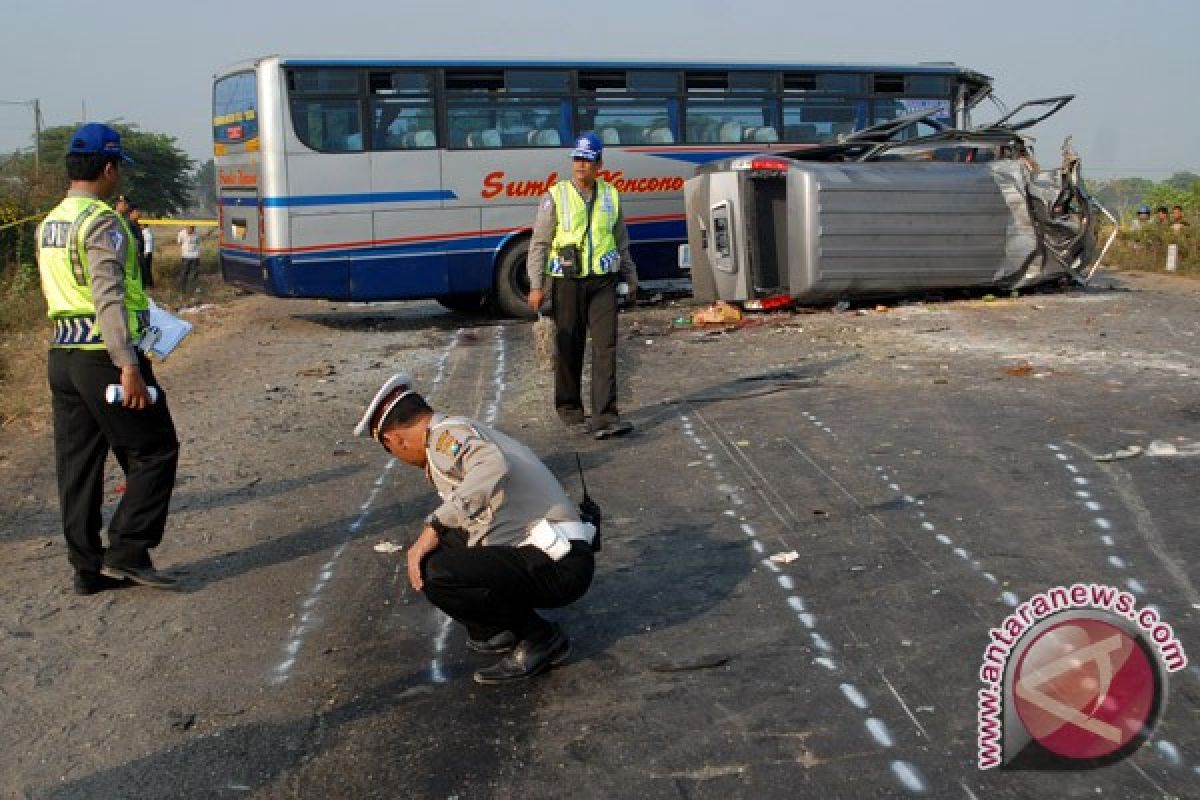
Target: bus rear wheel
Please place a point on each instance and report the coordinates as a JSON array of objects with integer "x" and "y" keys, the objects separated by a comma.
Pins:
[{"x": 512, "y": 281}]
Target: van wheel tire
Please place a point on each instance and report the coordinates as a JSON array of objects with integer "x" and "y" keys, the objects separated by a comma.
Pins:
[
  {"x": 469, "y": 303},
  {"x": 512, "y": 281}
]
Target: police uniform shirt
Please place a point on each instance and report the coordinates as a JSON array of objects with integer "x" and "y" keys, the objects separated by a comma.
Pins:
[
  {"x": 491, "y": 486},
  {"x": 107, "y": 243},
  {"x": 545, "y": 224}
]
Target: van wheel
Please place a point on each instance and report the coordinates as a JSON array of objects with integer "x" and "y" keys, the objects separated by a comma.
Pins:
[{"x": 512, "y": 281}]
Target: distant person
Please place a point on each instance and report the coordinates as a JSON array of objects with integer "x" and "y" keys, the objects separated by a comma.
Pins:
[
  {"x": 1142, "y": 220},
  {"x": 189, "y": 253},
  {"x": 148, "y": 257},
  {"x": 1162, "y": 216},
  {"x": 505, "y": 541},
  {"x": 129, "y": 210},
  {"x": 1178, "y": 223},
  {"x": 92, "y": 282}
]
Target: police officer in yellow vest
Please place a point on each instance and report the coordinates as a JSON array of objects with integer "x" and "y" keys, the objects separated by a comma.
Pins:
[
  {"x": 581, "y": 245},
  {"x": 91, "y": 278}
]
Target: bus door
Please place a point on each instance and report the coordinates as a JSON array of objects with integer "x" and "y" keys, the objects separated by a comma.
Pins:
[
  {"x": 411, "y": 231},
  {"x": 239, "y": 215}
]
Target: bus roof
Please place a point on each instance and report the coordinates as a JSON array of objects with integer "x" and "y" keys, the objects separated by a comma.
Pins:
[{"x": 924, "y": 67}]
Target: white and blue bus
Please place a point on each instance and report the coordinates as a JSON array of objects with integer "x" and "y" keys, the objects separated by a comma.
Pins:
[{"x": 388, "y": 180}]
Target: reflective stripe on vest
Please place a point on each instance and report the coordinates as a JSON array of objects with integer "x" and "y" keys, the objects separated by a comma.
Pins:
[
  {"x": 66, "y": 276},
  {"x": 598, "y": 254}
]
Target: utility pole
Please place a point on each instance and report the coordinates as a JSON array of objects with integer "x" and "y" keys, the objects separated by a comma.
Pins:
[{"x": 37, "y": 136}]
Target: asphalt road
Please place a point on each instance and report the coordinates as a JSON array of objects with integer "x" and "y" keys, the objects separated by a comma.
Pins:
[{"x": 931, "y": 466}]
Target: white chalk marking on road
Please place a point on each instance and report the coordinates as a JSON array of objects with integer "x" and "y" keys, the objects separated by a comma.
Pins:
[
  {"x": 747, "y": 527},
  {"x": 758, "y": 547},
  {"x": 1010, "y": 599},
  {"x": 797, "y": 604},
  {"x": 771, "y": 565},
  {"x": 909, "y": 776},
  {"x": 785, "y": 581},
  {"x": 1102, "y": 523},
  {"x": 1107, "y": 540},
  {"x": 1135, "y": 586},
  {"x": 895, "y": 487},
  {"x": 827, "y": 663},
  {"x": 1092, "y": 505},
  {"x": 1117, "y": 562},
  {"x": 820, "y": 642},
  {"x": 1073, "y": 469},
  {"x": 929, "y": 526},
  {"x": 855, "y": 697},
  {"x": 436, "y": 673},
  {"x": 1082, "y": 495},
  {"x": 1053, "y": 447},
  {"x": 944, "y": 539},
  {"x": 282, "y": 671},
  {"x": 963, "y": 554},
  {"x": 807, "y": 620},
  {"x": 1080, "y": 480},
  {"x": 1169, "y": 752},
  {"x": 879, "y": 731}
]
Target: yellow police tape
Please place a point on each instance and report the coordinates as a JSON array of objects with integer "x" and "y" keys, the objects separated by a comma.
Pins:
[
  {"x": 21, "y": 221},
  {"x": 199, "y": 223}
]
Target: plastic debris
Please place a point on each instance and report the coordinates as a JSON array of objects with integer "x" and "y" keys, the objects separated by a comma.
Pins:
[
  {"x": 785, "y": 558},
  {"x": 1022, "y": 370},
  {"x": 388, "y": 547},
  {"x": 719, "y": 313},
  {"x": 1125, "y": 452}
]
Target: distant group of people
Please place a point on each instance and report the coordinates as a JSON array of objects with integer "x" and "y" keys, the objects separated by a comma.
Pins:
[
  {"x": 143, "y": 240},
  {"x": 1159, "y": 218}
]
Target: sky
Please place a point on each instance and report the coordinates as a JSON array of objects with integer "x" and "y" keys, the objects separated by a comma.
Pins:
[{"x": 1132, "y": 66}]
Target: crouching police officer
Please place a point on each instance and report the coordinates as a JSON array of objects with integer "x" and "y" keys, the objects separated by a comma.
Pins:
[
  {"x": 91, "y": 277},
  {"x": 506, "y": 539}
]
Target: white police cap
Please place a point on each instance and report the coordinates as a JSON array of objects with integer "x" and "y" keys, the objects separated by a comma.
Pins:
[{"x": 397, "y": 387}]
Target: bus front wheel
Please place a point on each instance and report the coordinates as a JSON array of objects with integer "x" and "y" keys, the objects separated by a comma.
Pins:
[{"x": 512, "y": 281}]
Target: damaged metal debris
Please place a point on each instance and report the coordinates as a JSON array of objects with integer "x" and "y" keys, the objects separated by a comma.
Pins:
[{"x": 891, "y": 210}]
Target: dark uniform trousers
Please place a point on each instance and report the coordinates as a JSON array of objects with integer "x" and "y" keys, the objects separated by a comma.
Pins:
[
  {"x": 85, "y": 429},
  {"x": 582, "y": 305},
  {"x": 490, "y": 589}
]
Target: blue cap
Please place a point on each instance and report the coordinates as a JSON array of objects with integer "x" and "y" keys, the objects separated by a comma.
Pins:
[
  {"x": 588, "y": 148},
  {"x": 1143, "y": 209},
  {"x": 95, "y": 138}
]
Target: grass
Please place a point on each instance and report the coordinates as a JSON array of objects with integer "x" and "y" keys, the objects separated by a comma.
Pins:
[{"x": 1146, "y": 250}]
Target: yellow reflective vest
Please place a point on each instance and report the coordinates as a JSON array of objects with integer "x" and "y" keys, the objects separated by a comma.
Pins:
[
  {"x": 598, "y": 254},
  {"x": 66, "y": 276}
]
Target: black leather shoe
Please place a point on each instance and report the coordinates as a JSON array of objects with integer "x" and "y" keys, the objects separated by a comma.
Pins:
[
  {"x": 618, "y": 427},
  {"x": 527, "y": 659},
  {"x": 86, "y": 583},
  {"x": 503, "y": 642},
  {"x": 145, "y": 576}
]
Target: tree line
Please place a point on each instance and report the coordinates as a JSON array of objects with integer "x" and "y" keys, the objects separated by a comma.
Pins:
[{"x": 163, "y": 181}]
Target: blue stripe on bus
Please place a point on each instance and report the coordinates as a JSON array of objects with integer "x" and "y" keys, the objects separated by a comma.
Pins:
[
  {"x": 701, "y": 156},
  {"x": 358, "y": 199}
]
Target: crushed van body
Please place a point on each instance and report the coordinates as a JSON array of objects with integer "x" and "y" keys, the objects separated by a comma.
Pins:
[{"x": 887, "y": 212}]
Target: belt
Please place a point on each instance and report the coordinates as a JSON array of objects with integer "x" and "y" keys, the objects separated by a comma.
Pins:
[
  {"x": 81, "y": 329},
  {"x": 554, "y": 538}
]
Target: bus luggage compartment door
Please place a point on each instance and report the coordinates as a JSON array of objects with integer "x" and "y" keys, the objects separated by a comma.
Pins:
[{"x": 240, "y": 239}]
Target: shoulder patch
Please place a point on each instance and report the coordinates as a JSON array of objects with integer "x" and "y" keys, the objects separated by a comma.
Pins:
[
  {"x": 115, "y": 238},
  {"x": 447, "y": 444}
]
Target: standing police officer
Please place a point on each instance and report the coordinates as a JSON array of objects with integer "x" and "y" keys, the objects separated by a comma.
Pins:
[
  {"x": 91, "y": 277},
  {"x": 580, "y": 241},
  {"x": 506, "y": 539}
]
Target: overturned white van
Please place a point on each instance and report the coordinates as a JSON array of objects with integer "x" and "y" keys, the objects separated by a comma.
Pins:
[{"x": 878, "y": 214}]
